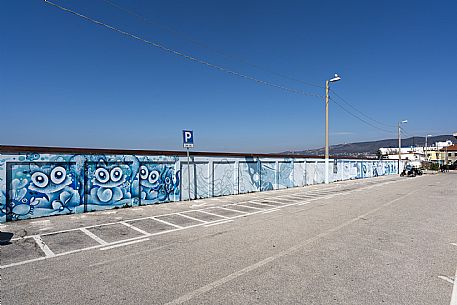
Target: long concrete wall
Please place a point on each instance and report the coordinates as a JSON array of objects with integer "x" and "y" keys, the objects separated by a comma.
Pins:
[{"x": 36, "y": 185}]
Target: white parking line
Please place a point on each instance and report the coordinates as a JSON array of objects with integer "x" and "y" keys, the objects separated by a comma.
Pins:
[
  {"x": 218, "y": 223},
  {"x": 446, "y": 278},
  {"x": 454, "y": 291},
  {"x": 134, "y": 228},
  {"x": 124, "y": 244},
  {"x": 43, "y": 246},
  {"x": 222, "y": 216},
  {"x": 269, "y": 211},
  {"x": 192, "y": 218},
  {"x": 232, "y": 210},
  {"x": 267, "y": 205},
  {"x": 166, "y": 222},
  {"x": 93, "y": 236},
  {"x": 248, "y": 207}
]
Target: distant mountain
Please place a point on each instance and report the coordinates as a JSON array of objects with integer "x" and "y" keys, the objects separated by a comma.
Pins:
[{"x": 370, "y": 149}]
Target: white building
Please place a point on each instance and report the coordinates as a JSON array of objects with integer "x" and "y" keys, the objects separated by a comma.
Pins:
[{"x": 414, "y": 153}]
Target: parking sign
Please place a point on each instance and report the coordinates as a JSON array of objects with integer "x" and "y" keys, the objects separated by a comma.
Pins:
[{"x": 188, "y": 138}]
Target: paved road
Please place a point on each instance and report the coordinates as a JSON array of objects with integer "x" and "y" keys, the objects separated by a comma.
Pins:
[{"x": 387, "y": 240}]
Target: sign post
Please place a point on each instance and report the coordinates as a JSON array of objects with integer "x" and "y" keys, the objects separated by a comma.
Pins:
[{"x": 188, "y": 142}]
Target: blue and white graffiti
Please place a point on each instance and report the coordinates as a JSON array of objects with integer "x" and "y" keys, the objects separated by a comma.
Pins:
[
  {"x": 42, "y": 189},
  {"x": 109, "y": 185},
  {"x": 35, "y": 185},
  {"x": 158, "y": 183}
]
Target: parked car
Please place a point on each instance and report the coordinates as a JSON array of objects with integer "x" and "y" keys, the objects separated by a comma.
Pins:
[{"x": 411, "y": 171}]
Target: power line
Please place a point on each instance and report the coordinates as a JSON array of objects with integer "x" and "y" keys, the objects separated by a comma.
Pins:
[
  {"x": 183, "y": 55},
  {"x": 360, "y": 112},
  {"x": 214, "y": 66},
  {"x": 201, "y": 44},
  {"x": 359, "y": 118}
]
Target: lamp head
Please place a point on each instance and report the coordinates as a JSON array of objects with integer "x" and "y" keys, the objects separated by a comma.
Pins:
[
  {"x": 335, "y": 79},
  {"x": 404, "y": 121}
]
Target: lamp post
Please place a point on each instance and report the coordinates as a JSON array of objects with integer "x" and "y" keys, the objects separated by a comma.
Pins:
[
  {"x": 426, "y": 147},
  {"x": 399, "y": 143},
  {"x": 327, "y": 88}
]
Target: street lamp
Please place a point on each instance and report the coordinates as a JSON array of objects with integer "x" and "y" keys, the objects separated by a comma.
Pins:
[
  {"x": 327, "y": 88},
  {"x": 399, "y": 143},
  {"x": 426, "y": 147}
]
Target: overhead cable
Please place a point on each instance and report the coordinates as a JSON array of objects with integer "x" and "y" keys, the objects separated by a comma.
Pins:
[
  {"x": 203, "y": 45},
  {"x": 360, "y": 112},
  {"x": 359, "y": 118},
  {"x": 183, "y": 55}
]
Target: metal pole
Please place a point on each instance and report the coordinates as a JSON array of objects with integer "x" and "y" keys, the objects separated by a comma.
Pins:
[
  {"x": 326, "y": 131},
  {"x": 188, "y": 169},
  {"x": 425, "y": 151},
  {"x": 399, "y": 147}
]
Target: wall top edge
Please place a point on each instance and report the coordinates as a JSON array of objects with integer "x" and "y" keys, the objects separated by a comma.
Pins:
[{"x": 95, "y": 151}]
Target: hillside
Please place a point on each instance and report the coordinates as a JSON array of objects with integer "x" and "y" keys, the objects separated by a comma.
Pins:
[{"x": 371, "y": 148}]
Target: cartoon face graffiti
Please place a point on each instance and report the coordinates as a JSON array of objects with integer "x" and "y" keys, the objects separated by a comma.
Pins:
[
  {"x": 49, "y": 180},
  {"x": 158, "y": 182},
  {"x": 150, "y": 178},
  {"x": 48, "y": 188},
  {"x": 110, "y": 183},
  {"x": 106, "y": 177}
]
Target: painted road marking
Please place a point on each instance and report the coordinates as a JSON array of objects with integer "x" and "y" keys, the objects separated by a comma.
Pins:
[
  {"x": 192, "y": 218},
  {"x": 233, "y": 210},
  {"x": 269, "y": 211},
  {"x": 454, "y": 291},
  {"x": 258, "y": 203},
  {"x": 454, "y": 244},
  {"x": 134, "y": 228},
  {"x": 218, "y": 222},
  {"x": 43, "y": 246},
  {"x": 248, "y": 207},
  {"x": 217, "y": 215},
  {"x": 93, "y": 236},
  {"x": 446, "y": 278},
  {"x": 124, "y": 244},
  {"x": 166, "y": 222}
]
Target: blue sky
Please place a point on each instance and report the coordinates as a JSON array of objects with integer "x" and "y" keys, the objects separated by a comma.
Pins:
[{"x": 67, "y": 82}]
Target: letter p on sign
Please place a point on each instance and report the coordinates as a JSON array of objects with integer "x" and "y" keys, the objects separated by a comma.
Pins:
[{"x": 188, "y": 138}]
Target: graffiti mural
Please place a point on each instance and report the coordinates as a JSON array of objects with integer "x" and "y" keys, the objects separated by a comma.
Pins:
[
  {"x": 42, "y": 189},
  {"x": 267, "y": 176},
  {"x": 108, "y": 184},
  {"x": 224, "y": 178},
  {"x": 36, "y": 185},
  {"x": 285, "y": 174},
  {"x": 249, "y": 176},
  {"x": 158, "y": 183}
]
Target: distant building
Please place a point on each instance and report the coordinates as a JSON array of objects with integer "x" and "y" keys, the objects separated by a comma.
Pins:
[
  {"x": 434, "y": 153},
  {"x": 449, "y": 154}
]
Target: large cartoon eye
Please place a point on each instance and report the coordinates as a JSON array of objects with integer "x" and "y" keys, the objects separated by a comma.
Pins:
[
  {"x": 40, "y": 179},
  {"x": 143, "y": 172},
  {"x": 116, "y": 174},
  {"x": 58, "y": 175},
  {"x": 153, "y": 177},
  {"x": 102, "y": 175},
  {"x": 167, "y": 180}
]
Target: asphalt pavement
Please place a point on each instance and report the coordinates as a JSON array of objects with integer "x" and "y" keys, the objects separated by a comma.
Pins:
[{"x": 386, "y": 240}]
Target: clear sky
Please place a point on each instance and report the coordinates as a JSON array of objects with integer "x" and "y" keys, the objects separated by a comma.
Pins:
[{"x": 65, "y": 81}]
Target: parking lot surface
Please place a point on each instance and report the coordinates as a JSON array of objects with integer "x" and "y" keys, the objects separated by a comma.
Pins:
[{"x": 385, "y": 240}]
